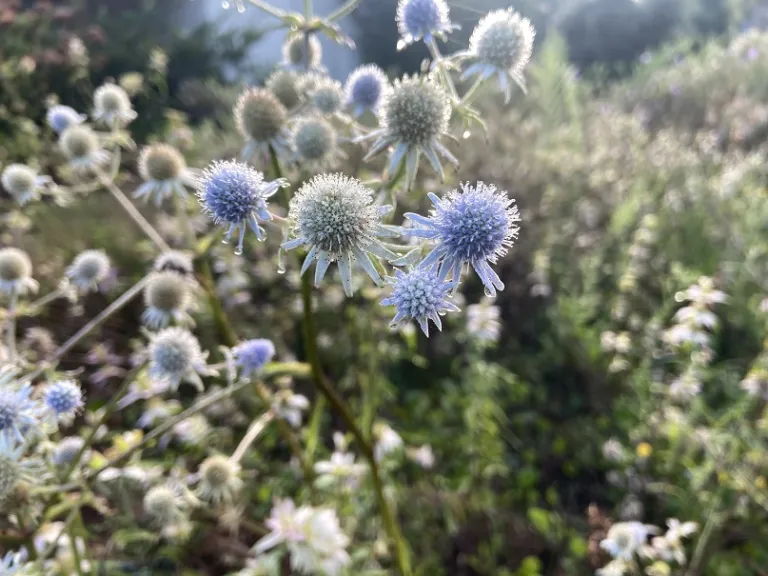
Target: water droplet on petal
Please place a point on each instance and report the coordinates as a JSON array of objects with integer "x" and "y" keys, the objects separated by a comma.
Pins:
[{"x": 466, "y": 134}]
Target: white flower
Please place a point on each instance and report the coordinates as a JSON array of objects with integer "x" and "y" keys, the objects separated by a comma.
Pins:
[
  {"x": 483, "y": 321},
  {"x": 614, "y": 568},
  {"x": 704, "y": 293},
  {"x": 677, "y": 530},
  {"x": 625, "y": 539},
  {"x": 340, "y": 469},
  {"x": 387, "y": 441},
  {"x": 423, "y": 456},
  {"x": 290, "y": 406}
]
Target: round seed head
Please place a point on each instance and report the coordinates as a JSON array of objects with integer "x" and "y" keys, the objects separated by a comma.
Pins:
[
  {"x": 174, "y": 261},
  {"x": 284, "y": 85},
  {"x": 161, "y": 162},
  {"x": 294, "y": 51},
  {"x": 111, "y": 98},
  {"x": 173, "y": 353},
  {"x": 79, "y": 141},
  {"x": 334, "y": 212},
  {"x": 10, "y": 474},
  {"x": 416, "y": 111},
  {"x": 503, "y": 39},
  {"x": 217, "y": 471},
  {"x": 19, "y": 180},
  {"x": 366, "y": 87},
  {"x": 89, "y": 269},
  {"x": 315, "y": 139},
  {"x": 60, "y": 118},
  {"x": 168, "y": 291},
  {"x": 14, "y": 265},
  {"x": 327, "y": 96},
  {"x": 63, "y": 397},
  {"x": 66, "y": 450},
  {"x": 231, "y": 191},
  {"x": 419, "y": 295},
  {"x": 417, "y": 19},
  {"x": 252, "y": 355},
  {"x": 259, "y": 115},
  {"x": 163, "y": 505}
]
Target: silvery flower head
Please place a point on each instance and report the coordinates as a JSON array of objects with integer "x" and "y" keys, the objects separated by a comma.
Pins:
[
  {"x": 252, "y": 355},
  {"x": 262, "y": 120},
  {"x": 23, "y": 183},
  {"x": 422, "y": 19},
  {"x": 501, "y": 46},
  {"x": 756, "y": 383},
  {"x": 625, "y": 539},
  {"x": 366, "y": 89},
  {"x": 15, "y": 273},
  {"x": 315, "y": 142},
  {"x": 174, "y": 261},
  {"x": 60, "y": 118},
  {"x": 11, "y": 471},
  {"x": 82, "y": 148},
  {"x": 67, "y": 450},
  {"x": 419, "y": 295},
  {"x": 88, "y": 270},
  {"x": 284, "y": 84},
  {"x": 386, "y": 440},
  {"x": 18, "y": 412},
  {"x": 295, "y": 52},
  {"x": 327, "y": 96},
  {"x": 219, "y": 479},
  {"x": 166, "y": 504},
  {"x": 63, "y": 398},
  {"x": 235, "y": 195},
  {"x": 168, "y": 299},
  {"x": 11, "y": 563},
  {"x": 175, "y": 356},
  {"x": 415, "y": 116},
  {"x": 112, "y": 106},
  {"x": 335, "y": 217},
  {"x": 473, "y": 226},
  {"x": 165, "y": 173}
]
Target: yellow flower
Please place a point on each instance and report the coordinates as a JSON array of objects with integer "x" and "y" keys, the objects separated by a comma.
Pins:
[
  {"x": 644, "y": 450},
  {"x": 760, "y": 483}
]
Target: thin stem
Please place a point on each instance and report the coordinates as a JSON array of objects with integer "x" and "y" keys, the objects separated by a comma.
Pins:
[
  {"x": 223, "y": 326},
  {"x": 343, "y": 11},
  {"x": 706, "y": 535},
  {"x": 126, "y": 297},
  {"x": 390, "y": 523},
  {"x": 10, "y": 330},
  {"x": 278, "y": 173},
  {"x": 307, "y": 10},
  {"x": 256, "y": 428},
  {"x": 268, "y": 8},
  {"x": 73, "y": 544},
  {"x": 137, "y": 217},
  {"x": 47, "y": 299},
  {"x": 437, "y": 58},
  {"x": 73, "y": 514},
  {"x": 468, "y": 97}
]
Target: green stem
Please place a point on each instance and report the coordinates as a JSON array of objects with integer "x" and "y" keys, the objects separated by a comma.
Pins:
[
  {"x": 307, "y": 10},
  {"x": 467, "y": 99},
  {"x": 437, "y": 58},
  {"x": 254, "y": 430},
  {"x": 73, "y": 515},
  {"x": 73, "y": 544},
  {"x": 223, "y": 326},
  {"x": 269, "y": 9},
  {"x": 343, "y": 11},
  {"x": 10, "y": 335},
  {"x": 44, "y": 300}
]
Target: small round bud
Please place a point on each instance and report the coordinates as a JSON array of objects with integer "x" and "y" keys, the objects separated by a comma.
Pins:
[
  {"x": 112, "y": 105},
  {"x": 15, "y": 272},
  {"x": 417, "y": 111},
  {"x": 315, "y": 140},
  {"x": 503, "y": 40},
  {"x": 417, "y": 19},
  {"x": 79, "y": 142},
  {"x": 167, "y": 298},
  {"x": 17, "y": 412},
  {"x": 174, "y": 261},
  {"x": 164, "y": 505},
  {"x": 259, "y": 115},
  {"x": 175, "y": 355},
  {"x": 366, "y": 88},
  {"x": 219, "y": 479},
  {"x": 89, "y": 269},
  {"x": 294, "y": 51},
  {"x": 252, "y": 355},
  {"x": 284, "y": 84},
  {"x": 21, "y": 182},
  {"x": 64, "y": 398},
  {"x": 60, "y": 118},
  {"x": 161, "y": 162},
  {"x": 327, "y": 96}
]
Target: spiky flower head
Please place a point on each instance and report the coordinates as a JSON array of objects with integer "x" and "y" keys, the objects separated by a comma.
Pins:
[
  {"x": 15, "y": 272},
  {"x": 327, "y": 96},
  {"x": 501, "y": 45},
  {"x": 422, "y": 19},
  {"x": 89, "y": 269},
  {"x": 63, "y": 398},
  {"x": 65, "y": 451},
  {"x": 165, "y": 505},
  {"x": 174, "y": 261},
  {"x": 82, "y": 148},
  {"x": 295, "y": 52},
  {"x": 112, "y": 106},
  {"x": 366, "y": 88},
  {"x": 473, "y": 226},
  {"x": 18, "y": 413},
  {"x": 314, "y": 140},
  {"x": 175, "y": 356},
  {"x": 336, "y": 218},
  {"x": 219, "y": 479},
  {"x": 284, "y": 84},
  {"x": 11, "y": 471},
  {"x": 23, "y": 183},
  {"x": 167, "y": 298},
  {"x": 165, "y": 173},
  {"x": 261, "y": 119},
  {"x": 419, "y": 295},
  {"x": 236, "y": 195},
  {"x": 60, "y": 118},
  {"x": 252, "y": 355},
  {"x": 415, "y": 117}
]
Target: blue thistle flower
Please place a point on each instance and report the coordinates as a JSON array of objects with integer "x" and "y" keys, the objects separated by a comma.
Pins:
[
  {"x": 422, "y": 19},
  {"x": 23, "y": 183},
  {"x": 82, "y": 148},
  {"x": 315, "y": 142},
  {"x": 112, "y": 106},
  {"x": 366, "y": 88},
  {"x": 60, "y": 118},
  {"x": 175, "y": 356},
  {"x": 236, "y": 195},
  {"x": 261, "y": 118},
  {"x": 471, "y": 227},
  {"x": 284, "y": 84},
  {"x": 327, "y": 96},
  {"x": 14, "y": 469},
  {"x": 18, "y": 413},
  {"x": 10, "y": 564},
  {"x": 167, "y": 298},
  {"x": 419, "y": 295},
  {"x": 174, "y": 261},
  {"x": 294, "y": 52},
  {"x": 89, "y": 269},
  {"x": 252, "y": 355},
  {"x": 63, "y": 398},
  {"x": 335, "y": 216},
  {"x": 165, "y": 173}
]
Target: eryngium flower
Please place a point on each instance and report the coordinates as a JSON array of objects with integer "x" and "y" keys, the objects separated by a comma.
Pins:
[
  {"x": 335, "y": 216},
  {"x": 23, "y": 183},
  {"x": 501, "y": 45},
  {"x": 174, "y": 261},
  {"x": 366, "y": 89},
  {"x": 284, "y": 84},
  {"x": 165, "y": 505},
  {"x": 219, "y": 479},
  {"x": 82, "y": 148},
  {"x": 474, "y": 226},
  {"x": 17, "y": 412},
  {"x": 419, "y": 295},
  {"x": 88, "y": 270},
  {"x": 175, "y": 356},
  {"x": 422, "y": 19},
  {"x": 295, "y": 52},
  {"x": 327, "y": 96},
  {"x": 165, "y": 172},
  {"x": 261, "y": 119},
  {"x": 415, "y": 116},
  {"x": 15, "y": 273},
  {"x": 252, "y": 355},
  {"x": 112, "y": 106},
  {"x": 236, "y": 195},
  {"x": 167, "y": 298},
  {"x": 63, "y": 398},
  {"x": 314, "y": 141},
  {"x": 66, "y": 450},
  {"x": 60, "y": 118}
]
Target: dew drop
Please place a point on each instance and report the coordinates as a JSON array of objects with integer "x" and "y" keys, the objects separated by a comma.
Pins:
[
  {"x": 466, "y": 134},
  {"x": 488, "y": 292},
  {"x": 225, "y": 5}
]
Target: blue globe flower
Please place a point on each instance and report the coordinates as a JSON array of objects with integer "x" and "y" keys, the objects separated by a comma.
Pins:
[
  {"x": 60, "y": 118},
  {"x": 236, "y": 195},
  {"x": 64, "y": 398},
  {"x": 474, "y": 226},
  {"x": 422, "y": 19},
  {"x": 252, "y": 355},
  {"x": 18, "y": 413},
  {"x": 419, "y": 295},
  {"x": 366, "y": 88}
]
